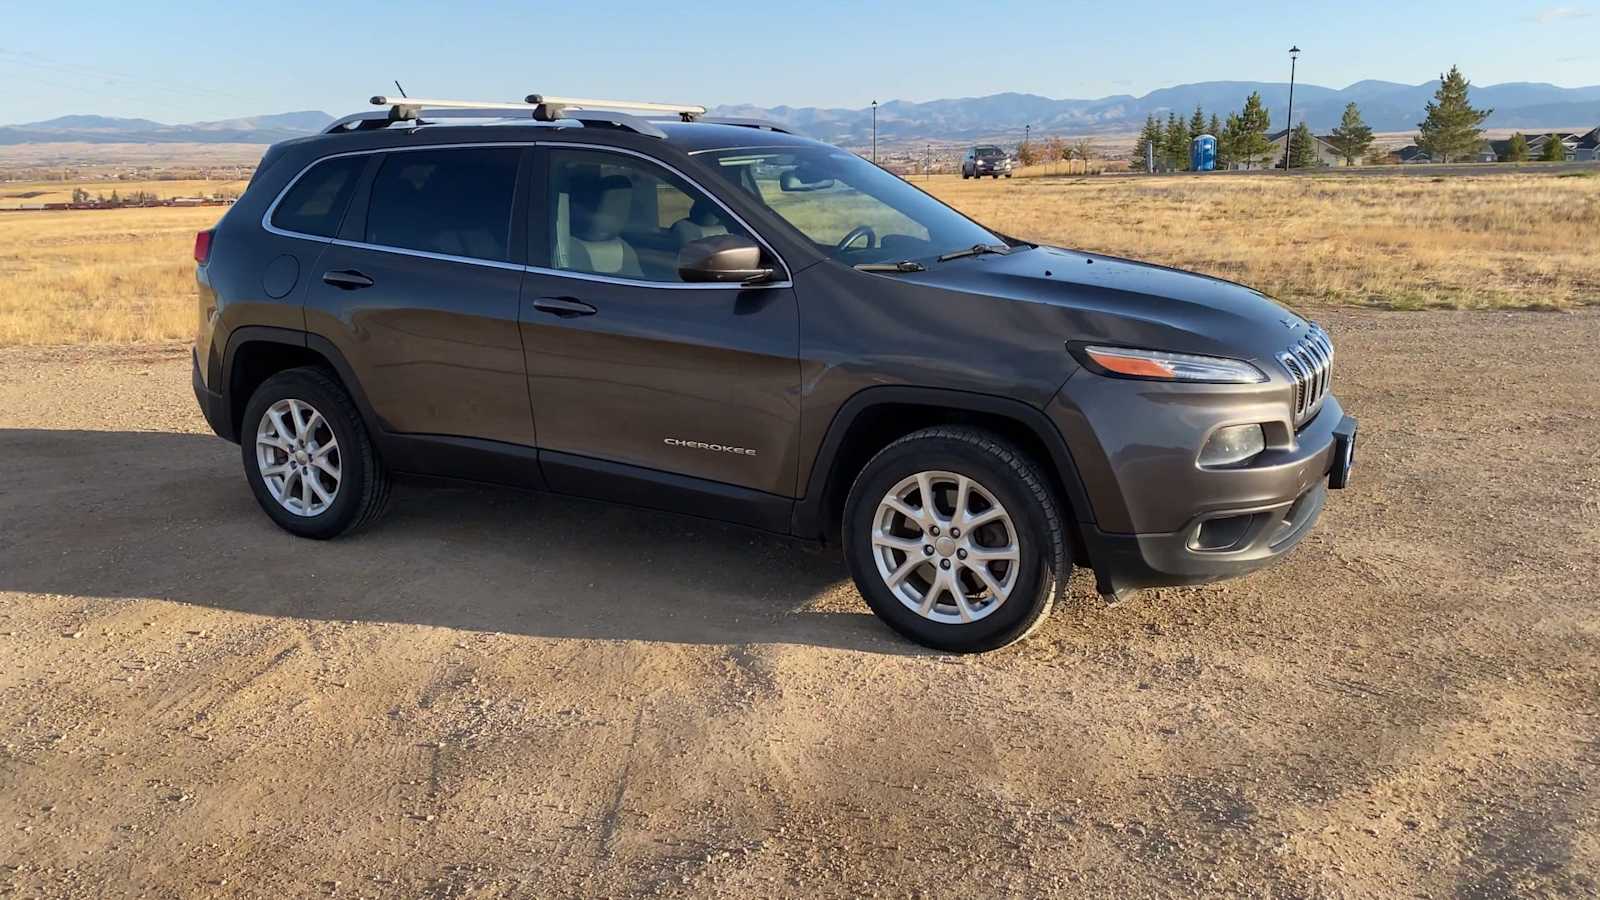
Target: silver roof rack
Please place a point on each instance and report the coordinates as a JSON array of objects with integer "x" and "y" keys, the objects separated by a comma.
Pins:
[
  {"x": 538, "y": 107},
  {"x": 555, "y": 107}
]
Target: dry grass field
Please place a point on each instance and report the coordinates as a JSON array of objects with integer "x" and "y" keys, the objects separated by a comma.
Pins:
[
  {"x": 1509, "y": 241},
  {"x": 103, "y": 276},
  {"x": 1502, "y": 241}
]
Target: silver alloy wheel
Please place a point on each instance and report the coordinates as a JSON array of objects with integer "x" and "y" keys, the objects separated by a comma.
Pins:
[
  {"x": 946, "y": 547},
  {"x": 298, "y": 457}
]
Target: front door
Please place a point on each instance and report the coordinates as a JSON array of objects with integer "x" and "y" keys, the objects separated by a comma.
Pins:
[{"x": 647, "y": 389}]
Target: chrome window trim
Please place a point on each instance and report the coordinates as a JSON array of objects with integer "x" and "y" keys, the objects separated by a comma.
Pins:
[
  {"x": 786, "y": 281},
  {"x": 669, "y": 285},
  {"x": 428, "y": 254}
]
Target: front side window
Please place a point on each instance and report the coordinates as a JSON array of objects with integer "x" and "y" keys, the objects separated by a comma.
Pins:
[
  {"x": 849, "y": 208},
  {"x": 625, "y": 217},
  {"x": 455, "y": 202},
  {"x": 316, "y": 203}
]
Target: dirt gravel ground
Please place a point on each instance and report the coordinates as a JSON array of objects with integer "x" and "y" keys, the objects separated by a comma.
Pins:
[{"x": 494, "y": 694}]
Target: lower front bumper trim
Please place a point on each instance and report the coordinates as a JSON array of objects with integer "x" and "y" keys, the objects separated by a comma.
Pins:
[{"x": 1125, "y": 562}]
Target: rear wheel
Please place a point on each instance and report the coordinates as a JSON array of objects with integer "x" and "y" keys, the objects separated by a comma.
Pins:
[
  {"x": 955, "y": 540},
  {"x": 308, "y": 457}
]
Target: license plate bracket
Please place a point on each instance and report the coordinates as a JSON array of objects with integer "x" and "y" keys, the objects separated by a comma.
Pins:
[{"x": 1344, "y": 454}]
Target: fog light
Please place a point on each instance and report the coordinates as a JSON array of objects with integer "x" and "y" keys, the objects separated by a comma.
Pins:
[{"x": 1232, "y": 446}]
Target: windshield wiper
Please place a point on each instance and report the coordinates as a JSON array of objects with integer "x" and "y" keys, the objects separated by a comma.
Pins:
[
  {"x": 976, "y": 250},
  {"x": 904, "y": 265}
]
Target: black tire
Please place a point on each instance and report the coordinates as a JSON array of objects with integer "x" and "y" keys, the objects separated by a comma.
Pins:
[
  {"x": 363, "y": 488},
  {"x": 1015, "y": 480}
]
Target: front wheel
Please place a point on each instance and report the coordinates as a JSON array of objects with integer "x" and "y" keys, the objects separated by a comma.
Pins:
[
  {"x": 308, "y": 457},
  {"x": 955, "y": 540}
]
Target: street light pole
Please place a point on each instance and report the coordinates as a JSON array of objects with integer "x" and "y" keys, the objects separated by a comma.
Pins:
[
  {"x": 874, "y": 131},
  {"x": 1288, "y": 134}
]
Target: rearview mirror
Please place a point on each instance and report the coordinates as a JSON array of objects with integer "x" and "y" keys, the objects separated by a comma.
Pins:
[
  {"x": 804, "y": 178},
  {"x": 722, "y": 258}
]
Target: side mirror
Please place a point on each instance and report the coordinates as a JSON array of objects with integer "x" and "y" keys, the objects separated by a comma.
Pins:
[{"x": 722, "y": 258}]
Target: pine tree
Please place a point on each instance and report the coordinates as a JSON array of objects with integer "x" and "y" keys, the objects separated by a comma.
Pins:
[
  {"x": 1176, "y": 143},
  {"x": 1150, "y": 137},
  {"x": 1303, "y": 148},
  {"x": 1554, "y": 150},
  {"x": 1251, "y": 146},
  {"x": 1214, "y": 128},
  {"x": 1450, "y": 130},
  {"x": 1197, "y": 123},
  {"x": 1228, "y": 143},
  {"x": 1517, "y": 148},
  {"x": 1353, "y": 138}
]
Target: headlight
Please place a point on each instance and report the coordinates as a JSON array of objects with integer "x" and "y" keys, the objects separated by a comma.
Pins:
[
  {"x": 1160, "y": 365},
  {"x": 1232, "y": 446}
]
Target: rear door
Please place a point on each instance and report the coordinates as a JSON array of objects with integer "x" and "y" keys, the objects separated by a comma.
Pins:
[
  {"x": 420, "y": 292},
  {"x": 645, "y": 388}
]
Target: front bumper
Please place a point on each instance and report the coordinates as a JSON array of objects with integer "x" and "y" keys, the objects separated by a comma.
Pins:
[
  {"x": 1139, "y": 471},
  {"x": 1124, "y": 562}
]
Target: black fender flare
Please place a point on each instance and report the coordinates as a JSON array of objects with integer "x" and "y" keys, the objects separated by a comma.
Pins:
[
  {"x": 809, "y": 511},
  {"x": 268, "y": 334}
]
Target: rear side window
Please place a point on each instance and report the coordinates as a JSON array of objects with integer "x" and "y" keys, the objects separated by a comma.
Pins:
[
  {"x": 455, "y": 202},
  {"x": 316, "y": 203}
]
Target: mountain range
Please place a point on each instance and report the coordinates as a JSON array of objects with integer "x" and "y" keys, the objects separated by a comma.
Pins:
[
  {"x": 1386, "y": 106},
  {"x": 108, "y": 130}
]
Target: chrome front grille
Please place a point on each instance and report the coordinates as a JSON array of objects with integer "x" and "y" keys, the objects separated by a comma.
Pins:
[{"x": 1309, "y": 363}]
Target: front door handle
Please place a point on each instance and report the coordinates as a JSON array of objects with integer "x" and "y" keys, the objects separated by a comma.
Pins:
[
  {"x": 565, "y": 307},
  {"x": 347, "y": 279}
]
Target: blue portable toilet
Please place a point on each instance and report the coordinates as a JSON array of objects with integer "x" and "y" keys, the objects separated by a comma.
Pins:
[{"x": 1203, "y": 154}]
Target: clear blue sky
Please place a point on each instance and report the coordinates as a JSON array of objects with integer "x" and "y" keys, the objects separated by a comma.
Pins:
[{"x": 179, "y": 62}]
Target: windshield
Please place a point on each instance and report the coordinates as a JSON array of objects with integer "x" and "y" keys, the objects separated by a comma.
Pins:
[
  {"x": 849, "y": 208},
  {"x": 989, "y": 152}
]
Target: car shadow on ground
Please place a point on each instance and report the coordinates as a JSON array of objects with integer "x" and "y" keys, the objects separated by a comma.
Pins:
[{"x": 169, "y": 516}]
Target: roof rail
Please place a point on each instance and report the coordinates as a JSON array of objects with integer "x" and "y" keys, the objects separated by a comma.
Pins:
[
  {"x": 410, "y": 109},
  {"x": 746, "y": 122}
]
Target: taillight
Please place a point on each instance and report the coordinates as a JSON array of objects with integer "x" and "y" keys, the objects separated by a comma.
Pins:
[{"x": 202, "y": 247}]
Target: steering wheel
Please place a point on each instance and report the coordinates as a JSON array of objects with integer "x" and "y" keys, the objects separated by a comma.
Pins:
[{"x": 857, "y": 232}]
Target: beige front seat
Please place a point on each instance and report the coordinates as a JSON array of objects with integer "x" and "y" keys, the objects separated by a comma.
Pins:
[
  {"x": 600, "y": 210},
  {"x": 703, "y": 221}
]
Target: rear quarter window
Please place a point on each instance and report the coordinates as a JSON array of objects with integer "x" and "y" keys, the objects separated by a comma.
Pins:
[
  {"x": 315, "y": 205},
  {"x": 455, "y": 202}
]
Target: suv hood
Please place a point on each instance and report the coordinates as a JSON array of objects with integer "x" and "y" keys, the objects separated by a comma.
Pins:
[{"x": 1131, "y": 303}]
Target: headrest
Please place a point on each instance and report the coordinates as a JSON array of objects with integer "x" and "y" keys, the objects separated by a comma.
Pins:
[
  {"x": 600, "y": 206},
  {"x": 705, "y": 212}
]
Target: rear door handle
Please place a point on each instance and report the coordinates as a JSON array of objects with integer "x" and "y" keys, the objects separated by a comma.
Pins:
[
  {"x": 565, "y": 307},
  {"x": 347, "y": 279}
]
